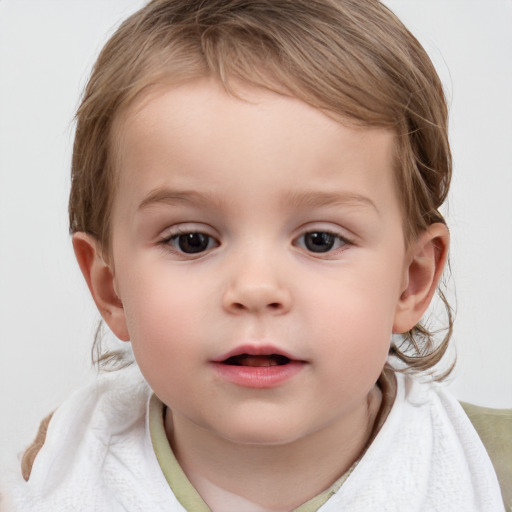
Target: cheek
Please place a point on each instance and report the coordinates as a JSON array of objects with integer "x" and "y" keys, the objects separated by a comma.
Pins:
[
  {"x": 357, "y": 347},
  {"x": 362, "y": 300},
  {"x": 355, "y": 319},
  {"x": 361, "y": 332},
  {"x": 161, "y": 315}
]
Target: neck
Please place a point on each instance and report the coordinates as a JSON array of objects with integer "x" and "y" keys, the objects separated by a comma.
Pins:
[{"x": 231, "y": 476}]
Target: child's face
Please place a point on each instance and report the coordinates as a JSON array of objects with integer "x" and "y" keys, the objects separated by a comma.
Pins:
[{"x": 256, "y": 227}]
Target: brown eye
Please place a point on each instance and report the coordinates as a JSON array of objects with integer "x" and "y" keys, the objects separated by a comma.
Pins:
[
  {"x": 192, "y": 243},
  {"x": 320, "y": 241}
]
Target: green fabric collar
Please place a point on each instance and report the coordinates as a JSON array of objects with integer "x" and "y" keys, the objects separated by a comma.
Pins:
[
  {"x": 180, "y": 484},
  {"x": 176, "y": 478}
]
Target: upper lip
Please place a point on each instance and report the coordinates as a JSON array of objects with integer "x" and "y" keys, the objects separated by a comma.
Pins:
[{"x": 255, "y": 350}]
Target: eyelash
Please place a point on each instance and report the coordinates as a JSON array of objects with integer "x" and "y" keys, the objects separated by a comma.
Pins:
[{"x": 203, "y": 242}]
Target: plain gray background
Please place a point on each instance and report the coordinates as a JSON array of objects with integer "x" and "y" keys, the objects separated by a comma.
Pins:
[{"x": 47, "y": 318}]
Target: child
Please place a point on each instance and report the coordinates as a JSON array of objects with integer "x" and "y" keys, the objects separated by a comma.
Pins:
[{"x": 254, "y": 206}]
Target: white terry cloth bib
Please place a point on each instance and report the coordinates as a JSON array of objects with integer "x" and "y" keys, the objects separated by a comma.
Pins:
[
  {"x": 98, "y": 456},
  {"x": 426, "y": 458}
]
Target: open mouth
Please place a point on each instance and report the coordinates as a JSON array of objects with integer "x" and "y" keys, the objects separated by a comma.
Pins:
[
  {"x": 257, "y": 360},
  {"x": 259, "y": 367}
]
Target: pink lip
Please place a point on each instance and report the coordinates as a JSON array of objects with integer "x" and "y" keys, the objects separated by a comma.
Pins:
[
  {"x": 258, "y": 376},
  {"x": 253, "y": 350}
]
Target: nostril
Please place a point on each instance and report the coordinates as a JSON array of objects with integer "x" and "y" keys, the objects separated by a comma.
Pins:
[
  {"x": 255, "y": 298},
  {"x": 273, "y": 305}
]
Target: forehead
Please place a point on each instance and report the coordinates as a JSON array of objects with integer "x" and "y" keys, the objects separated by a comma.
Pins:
[
  {"x": 202, "y": 104},
  {"x": 197, "y": 133}
]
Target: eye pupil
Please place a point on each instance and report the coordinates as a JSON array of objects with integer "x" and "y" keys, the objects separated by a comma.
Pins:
[
  {"x": 319, "y": 241},
  {"x": 193, "y": 242}
]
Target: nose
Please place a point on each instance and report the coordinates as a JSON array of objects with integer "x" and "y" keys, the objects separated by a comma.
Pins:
[{"x": 256, "y": 287}]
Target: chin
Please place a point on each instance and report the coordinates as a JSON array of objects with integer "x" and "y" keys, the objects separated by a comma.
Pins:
[{"x": 263, "y": 433}]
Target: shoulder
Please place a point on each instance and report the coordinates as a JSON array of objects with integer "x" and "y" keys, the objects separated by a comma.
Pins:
[
  {"x": 436, "y": 419},
  {"x": 426, "y": 456},
  {"x": 483, "y": 434},
  {"x": 104, "y": 406},
  {"x": 95, "y": 444},
  {"x": 471, "y": 424}
]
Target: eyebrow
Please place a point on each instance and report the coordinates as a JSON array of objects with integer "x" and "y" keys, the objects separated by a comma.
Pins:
[
  {"x": 318, "y": 199},
  {"x": 306, "y": 199},
  {"x": 168, "y": 196}
]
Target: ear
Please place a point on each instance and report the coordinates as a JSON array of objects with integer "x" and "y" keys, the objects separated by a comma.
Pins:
[
  {"x": 427, "y": 257},
  {"x": 100, "y": 280}
]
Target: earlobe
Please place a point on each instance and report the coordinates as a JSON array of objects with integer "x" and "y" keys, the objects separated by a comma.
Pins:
[
  {"x": 426, "y": 262},
  {"x": 100, "y": 280}
]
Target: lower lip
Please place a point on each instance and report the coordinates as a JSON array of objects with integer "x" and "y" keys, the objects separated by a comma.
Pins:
[{"x": 259, "y": 376}]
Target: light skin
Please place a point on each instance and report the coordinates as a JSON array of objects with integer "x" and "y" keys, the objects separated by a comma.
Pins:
[{"x": 259, "y": 226}]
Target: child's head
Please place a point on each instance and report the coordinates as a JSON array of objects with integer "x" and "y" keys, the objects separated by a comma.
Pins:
[{"x": 354, "y": 60}]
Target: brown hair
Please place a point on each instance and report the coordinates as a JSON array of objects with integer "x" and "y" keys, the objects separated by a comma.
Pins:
[{"x": 353, "y": 58}]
